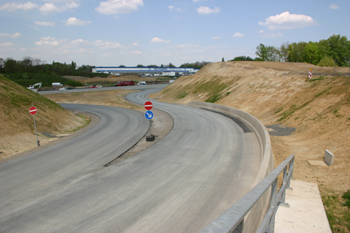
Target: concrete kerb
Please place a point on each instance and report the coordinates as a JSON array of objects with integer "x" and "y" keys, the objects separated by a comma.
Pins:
[{"x": 266, "y": 165}]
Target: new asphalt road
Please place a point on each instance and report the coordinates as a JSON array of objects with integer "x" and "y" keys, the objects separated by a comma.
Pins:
[{"x": 180, "y": 184}]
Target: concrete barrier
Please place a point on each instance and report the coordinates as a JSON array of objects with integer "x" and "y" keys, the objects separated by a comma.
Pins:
[
  {"x": 328, "y": 158},
  {"x": 256, "y": 215}
]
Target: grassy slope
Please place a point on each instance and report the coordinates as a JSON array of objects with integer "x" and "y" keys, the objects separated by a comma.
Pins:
[{"x": 15, "y": 119}]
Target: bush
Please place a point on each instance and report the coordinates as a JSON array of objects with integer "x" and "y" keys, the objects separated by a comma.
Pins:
[{"x": 326, "y": 61}]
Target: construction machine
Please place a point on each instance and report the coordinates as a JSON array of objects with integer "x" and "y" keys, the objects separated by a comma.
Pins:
[{"x": 32, "y": 87}]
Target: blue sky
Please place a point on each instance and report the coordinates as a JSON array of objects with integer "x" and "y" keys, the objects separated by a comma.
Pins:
[{"x": 131, "y": 32}]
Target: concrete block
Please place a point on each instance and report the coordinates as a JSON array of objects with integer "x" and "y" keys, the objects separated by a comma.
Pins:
[{"x": 328, "y": 158}]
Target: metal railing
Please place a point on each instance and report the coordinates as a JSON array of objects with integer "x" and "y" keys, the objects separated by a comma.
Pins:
[{"x": 233, "y": 220}]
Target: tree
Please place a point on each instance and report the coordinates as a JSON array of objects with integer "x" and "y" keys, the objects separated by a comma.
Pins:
[
  {"x": 242, "y": 58},
  {"x": 296, "y": 52},
  {"x": 139, "y": 65},
  {"x": 312, "y": 53},
  {"x": 284, "y": 52},
  {"x": 339, "y": 49},
  {"x": 223, "y": 60},
  {"x": 261, "y": 52},
  {"x": 10, "y": 65},
  {"x": 121, "y": 66},
  {"x": 171, "y": 65},
  {"x": 273, "y": 54}
]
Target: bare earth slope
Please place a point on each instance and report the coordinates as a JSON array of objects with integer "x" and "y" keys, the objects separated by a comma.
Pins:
[
  {"x": 17, "y": 131},
  {"x": 279, "y": 93}
]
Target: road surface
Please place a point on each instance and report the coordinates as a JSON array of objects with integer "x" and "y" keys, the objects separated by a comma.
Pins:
[{"x": 179, "y": 184}]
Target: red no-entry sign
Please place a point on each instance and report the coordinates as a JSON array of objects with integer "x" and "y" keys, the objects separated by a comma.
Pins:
[
  {"x": 148, "y": 105},
  {"x": 33, "y": 110}
]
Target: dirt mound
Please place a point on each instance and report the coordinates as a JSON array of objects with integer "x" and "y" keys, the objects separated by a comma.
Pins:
[
  {"x": 17, "y": 131},
  {"x": 280, "y": 93}
]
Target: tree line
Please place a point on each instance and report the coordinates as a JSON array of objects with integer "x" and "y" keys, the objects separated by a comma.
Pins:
[{"x": 333, "y": 51}]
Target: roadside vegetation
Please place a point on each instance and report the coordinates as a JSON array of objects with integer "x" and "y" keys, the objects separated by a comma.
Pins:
[{"x": 338, "y": 211}]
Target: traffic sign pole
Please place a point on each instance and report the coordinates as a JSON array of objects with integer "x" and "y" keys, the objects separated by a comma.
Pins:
[
  {"x": 33, "y": 113},
  {"x": 149, "y": 115}
]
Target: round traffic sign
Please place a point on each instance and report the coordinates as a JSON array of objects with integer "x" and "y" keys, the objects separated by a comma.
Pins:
[
  {"x": 148, "y": 105},
  {"x": 33, "y": 110},
  {"x": 149, "y": 115}
]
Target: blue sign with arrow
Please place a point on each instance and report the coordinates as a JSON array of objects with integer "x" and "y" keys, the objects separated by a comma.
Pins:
[{"x": 149, "y": 115}]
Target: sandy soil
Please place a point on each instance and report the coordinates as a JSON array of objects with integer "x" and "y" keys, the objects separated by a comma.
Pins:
[{"x": 279, "y": 93}]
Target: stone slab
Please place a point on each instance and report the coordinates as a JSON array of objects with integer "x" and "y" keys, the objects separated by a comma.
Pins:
[
  {"x": 306, "y": 212},
  {"x": 317, "y": 163}
]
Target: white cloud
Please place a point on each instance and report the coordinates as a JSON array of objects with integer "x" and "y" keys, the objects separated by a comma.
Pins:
[
  {"x": 333, "y": 6},
  {"x": 48, "y": 41},
  {"x": 107, "y": 44},
  {"x": 171, "y": 8},
  {"x": 136, "y": 52},
  {"x": 238, "y": 34},
  {"x": 207, "y": 10},
  {"x": 49, "y": 8},
  {"x": 72, "y": 21},
  {"x": 14, "y": 35},
  {"x": 72, "y": 5},
  {"x": 199, "y": 0},
  {"x": 6, "y": 44},
  {"x": 60, "y": 1},
  {"x": 288, "y": 21},
  {"x": 158, "y": 40},
  {"x": 78, "y": 41},
  {"x": 18, "y": 6},
  {"x": 216, "y": 37},
  {"x": 118, "y": 6},
  {"x": 135, "y": 44},
  {"x": 44, "y": 23}
]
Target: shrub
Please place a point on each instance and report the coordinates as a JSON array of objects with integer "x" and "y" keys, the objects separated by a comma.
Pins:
[{"x": 326, "y": 61}]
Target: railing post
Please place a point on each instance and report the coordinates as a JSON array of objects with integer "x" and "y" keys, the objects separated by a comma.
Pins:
[
  {"x": 285, "y": 181},
  {"x": 290, "y": 170},
  {"x": 271, "y": 227}
]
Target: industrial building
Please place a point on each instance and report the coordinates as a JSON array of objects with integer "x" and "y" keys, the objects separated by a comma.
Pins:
[{"x": 145, "y": 71}]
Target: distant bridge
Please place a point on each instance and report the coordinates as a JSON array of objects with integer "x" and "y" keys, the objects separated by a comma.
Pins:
[{"x": 172, "y": 71}]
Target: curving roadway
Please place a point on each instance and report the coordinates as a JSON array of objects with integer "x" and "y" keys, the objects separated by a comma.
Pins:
[{"x": 179, "y": 184}]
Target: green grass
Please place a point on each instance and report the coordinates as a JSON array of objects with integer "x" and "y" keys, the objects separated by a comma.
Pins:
[
  {"x": 182, "y": 95},
  {"x": 338, "y": 217},
  {"x": 213, "y": 88},
  {"x": 295, "y": 108}
]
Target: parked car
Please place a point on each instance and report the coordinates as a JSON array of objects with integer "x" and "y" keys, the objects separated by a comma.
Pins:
[{"x": 66, "y": 88}]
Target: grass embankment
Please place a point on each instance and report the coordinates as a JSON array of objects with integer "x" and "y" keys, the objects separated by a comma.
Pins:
[{"x": 17, "y": 132}]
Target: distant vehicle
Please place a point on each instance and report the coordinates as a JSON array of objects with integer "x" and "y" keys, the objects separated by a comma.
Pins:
[
  {"x": 57, "y": 84},
  {"x": 96, "y": 86},
  {"x": 32, "y": 87},
  {"x": 66, "y": 88},
  {"x": 124, "y": 83},
  {"x": 171, "y": 81},
  {"x": 142, "y": 83}
]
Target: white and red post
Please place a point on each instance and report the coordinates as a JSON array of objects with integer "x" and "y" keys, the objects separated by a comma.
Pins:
[{"x": 310, "y": 74}]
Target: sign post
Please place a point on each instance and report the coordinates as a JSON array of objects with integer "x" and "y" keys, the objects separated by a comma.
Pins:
[
  {"x": 310, "y": 73},
  {"x": 149, "y": 115},
  {"x": 33, "y": 110}
]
